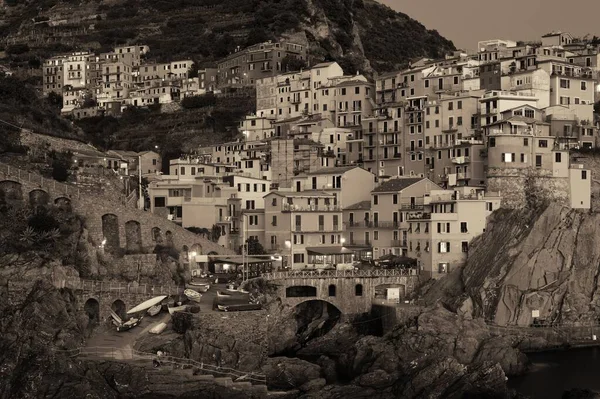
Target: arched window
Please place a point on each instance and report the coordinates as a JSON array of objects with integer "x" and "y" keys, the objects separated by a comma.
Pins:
[
  {"x": 358, "y": 290},
  {"x": 332, "y": 290}
]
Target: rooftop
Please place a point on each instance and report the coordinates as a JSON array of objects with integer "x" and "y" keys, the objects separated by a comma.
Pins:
[
  {"x": 359, "y": 206},
  {"x": 397, "y": 184},
  {"x": 332, "y": 170}
]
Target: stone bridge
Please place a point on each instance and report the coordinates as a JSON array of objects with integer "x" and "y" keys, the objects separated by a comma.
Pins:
[
  {"x": 351, "y": 291},
  {"x": 122, "y": 226}
]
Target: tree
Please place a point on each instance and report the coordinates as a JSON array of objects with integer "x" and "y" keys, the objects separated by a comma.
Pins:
[
  {"x": 254, "y": 247},
  {"x": 291, "y": 63},
  {"x": 597, "y": 107},
  {"x": 55, "y": 100},
  {"x": 215, "y": 233},
  {"x": 61, "y": 164},
  {"x": 204, "y": 100},
  {"x": 193, "y": 71}
]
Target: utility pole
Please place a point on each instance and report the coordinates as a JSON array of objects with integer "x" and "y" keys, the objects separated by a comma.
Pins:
[{"x": 140, "y": 193}]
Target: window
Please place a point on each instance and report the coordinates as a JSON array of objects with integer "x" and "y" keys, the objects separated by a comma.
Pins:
[
  {"x": 274, "y": 222},
  {"x": 529, "y": 113},
  {"x": 489, "y": 206},
  {"x": 526, "y": 142},
  {"x": 357, "y": 90},
  {"x": 443, "y": 268},
  {"x": 274, "y": 202},
  {"x": 523, "y": 158},
  {"x": 395, "y": 199},
  {"x": 463, "y": 227},
  {"x": 450, "y": 106},
  {"x": 508, "y": 157},
  {"x": 331, "y": 290},
  {"x": 543, "y": 143},
  {"x": 358, "y": 290},
  {"x": 584, "y": 175},
  {"x": 375, "y": 200},
  {"x": 443, "y": 247},
  {"x": 583, "y": 86},
  {"x": 565, "y": 84},
  {"x": 538, "y": 161},
  {"x": 182, "y": 171},
  {"x": 426, "y": 83},
  {"x": 557, "y": 157},
  {"x": 459, "y": 121},
  {"x": 376, "y": 235},
  {"x": 465, "y": 246},
  {"x": 154, "y": 162},
  {"x": 492, "y": 142}
]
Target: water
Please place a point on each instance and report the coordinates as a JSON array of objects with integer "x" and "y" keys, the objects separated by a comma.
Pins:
[{"x": 552, "y": 373}]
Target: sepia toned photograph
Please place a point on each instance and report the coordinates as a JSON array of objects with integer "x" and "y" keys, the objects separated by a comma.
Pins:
[{"x": 299, "y": 199}]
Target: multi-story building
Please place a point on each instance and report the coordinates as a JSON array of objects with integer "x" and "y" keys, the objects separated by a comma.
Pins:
[
  {"x": 348, "y": 184},
  {"x": 208, "y": 79},
  {"x": 440, "y": 231},
  {"x": 306, "y": 227},
  {"x": 52, "y": 75},
  {"x": 245, "y": 66}
]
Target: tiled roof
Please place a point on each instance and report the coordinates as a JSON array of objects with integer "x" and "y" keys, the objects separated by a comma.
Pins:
[
  {"x": 397, "y": 184},
  {"x": 359, "y": 206},
  {"x": 331, "y": 170},
  {"x": 323, "y": 64}
]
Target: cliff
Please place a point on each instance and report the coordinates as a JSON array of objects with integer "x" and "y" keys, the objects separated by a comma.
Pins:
[
  {"x": 360, "y": 34},
  {"x": 544, "y": 261}
]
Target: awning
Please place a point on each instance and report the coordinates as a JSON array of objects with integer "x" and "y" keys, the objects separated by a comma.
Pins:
[
  {"x": 328, "y": 251},
  {"x": 238, "y": 260},
  {"x": 518, "y": 123}
]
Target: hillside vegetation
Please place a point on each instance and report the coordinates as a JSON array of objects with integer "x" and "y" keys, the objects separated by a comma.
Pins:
[{"x": 360, "y": 34}]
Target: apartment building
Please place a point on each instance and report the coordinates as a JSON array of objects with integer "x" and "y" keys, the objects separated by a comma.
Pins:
[
  {"x": 245, "y": 66},
  {"x": 53, "y": 75},
  {"x": 572, "y": 128},
  {"x": 208, "y": 79},
  {"x": 306, "y": 227},
  {"x": 348, "y": 184},
  {"x": 440, "y": 231}
]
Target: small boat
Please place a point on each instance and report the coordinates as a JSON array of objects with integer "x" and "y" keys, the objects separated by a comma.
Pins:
[
  {"x": 192, "y": 295},
  {"x": 147, "y": 304},
  {"x": 129, "y": 324},
  {"x": 221, "y": 293},
  {"x": 158, "y": 328},
  {"x": 232, "y": 287},
  {"x": 239, "y": 307},
  {"x": 154, "y": 310},
  {"x": 203, "y": 288},
  {"x": 175, "y": 309}
]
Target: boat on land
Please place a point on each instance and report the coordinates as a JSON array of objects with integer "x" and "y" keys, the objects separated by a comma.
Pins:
[
  {"x": 147, "y": 304},
  {"x": 192, "y": 295},
  {"x": 154, "y": 310},
  {"x": 221, "y": 294},
  {"x": 158, "y": 328},
  {"x": 238, "y": 307},
  {"x": 175, "y": 309},
  {"x": 129, "y": 324}
]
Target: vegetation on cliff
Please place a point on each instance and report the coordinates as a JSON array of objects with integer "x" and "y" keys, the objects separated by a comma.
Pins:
[{"x": 353, "y": 32}]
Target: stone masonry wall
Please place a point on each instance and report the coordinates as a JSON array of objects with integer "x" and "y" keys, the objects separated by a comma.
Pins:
[
  {"x": 514, "y": 187},
  {"x": 93, "y": 208}
]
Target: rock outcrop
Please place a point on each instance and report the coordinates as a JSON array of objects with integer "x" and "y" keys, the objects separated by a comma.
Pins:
[{"x": 530, "y": 264}]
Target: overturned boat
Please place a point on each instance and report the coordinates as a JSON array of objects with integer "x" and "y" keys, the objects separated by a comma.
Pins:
[
  {"x": 175, "y": 309},
  {"x": 158, "y": 328},
  {"x": 192, "y": 295},
  {"x": 147, "y": 304},
  {"x": 154, "y": 310}
]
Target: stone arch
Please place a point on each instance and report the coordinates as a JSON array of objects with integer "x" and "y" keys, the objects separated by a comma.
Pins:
[
  {"x": 169, "y": 238},
  {"x": 38, "y": 197},
  {"x": 156, "y": 235},
  {"x": 133, "y": 236},
  {"x": 11, "y": 190},
  {"x": 110, "y": 231},
  {"x": 64, "y": 204},
  {"x": 301, "y": 291},
  {"x": 319, "y": 300},
  {"x": 358, "y": 290},
  {"x": 197, "y": 248},
  {"x": 118, "y": 306},
  {"x": 331, "y": 290},
  {"x": 92, "y": 309}
]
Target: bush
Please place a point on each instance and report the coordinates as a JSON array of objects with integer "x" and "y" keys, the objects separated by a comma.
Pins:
[
  {"x": 205, "y": 100},
  {"x": 15, "y": 49},
  {"x": 61, "y": 165},
  {"x": 182, "y": 322}
]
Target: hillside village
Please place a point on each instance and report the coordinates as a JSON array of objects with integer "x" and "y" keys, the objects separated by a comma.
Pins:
[{"x": 335, "y": 168}]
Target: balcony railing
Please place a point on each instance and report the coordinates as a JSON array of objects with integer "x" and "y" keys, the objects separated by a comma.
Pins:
[
  {"x": 310, "y": 208},
  {"x": 364, "y": 243},
  {"x": 399, "y": 243},
  {"x": 411, "y": 206},
  {"x": 461, "y": 160},
  {"x": 419, "y": 216},
  {"x": 294, "y": 274},
  {"x": 372, "y": 224}
]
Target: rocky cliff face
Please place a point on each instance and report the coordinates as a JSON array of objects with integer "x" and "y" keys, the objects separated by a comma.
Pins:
[{"x": 544, "y": 261}]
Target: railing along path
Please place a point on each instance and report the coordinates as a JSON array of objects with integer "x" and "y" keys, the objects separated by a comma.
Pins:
[
  {"x": 104, "y": 286},
  {"x": 49, "y": 184},
  {"x": 133, "y": 354},
  {"x": 338, "y": 274}
]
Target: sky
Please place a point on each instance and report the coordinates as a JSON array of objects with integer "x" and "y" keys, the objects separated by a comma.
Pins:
[{"x": 466, "y": 22}]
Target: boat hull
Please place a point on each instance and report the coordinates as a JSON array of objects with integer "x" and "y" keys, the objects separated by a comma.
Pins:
[
  {"x": 176, "y": 309},
  {"x": 154, "y": 310}
]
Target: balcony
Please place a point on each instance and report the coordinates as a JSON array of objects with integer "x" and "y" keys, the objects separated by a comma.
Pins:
[
  {"x": 403, "y": 85},
  {"x": 359, "y": 225},
  {"x": 358, "y": 243},
  {"x": 234, "y": 231},
  {"x": 398, "y": 243},
  {"x": 406, "y": 207},
  {"x": 310, "y": 208},
  {"x": 296, "y": 100},
  {"x": 463, "y": 175},
  {"x": 461, "y": 160},
  {"x": 419, "y": 216},
  {"x": 412, "y": 121}
]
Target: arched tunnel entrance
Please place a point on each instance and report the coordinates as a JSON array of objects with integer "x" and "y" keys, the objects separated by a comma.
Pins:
[
  {"x": 119, "y": 308},
  {"x": 92, "y": 309}
]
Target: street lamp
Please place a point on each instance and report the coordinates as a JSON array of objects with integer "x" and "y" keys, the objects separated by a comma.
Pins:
[{"x": 342, "y": 241}]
